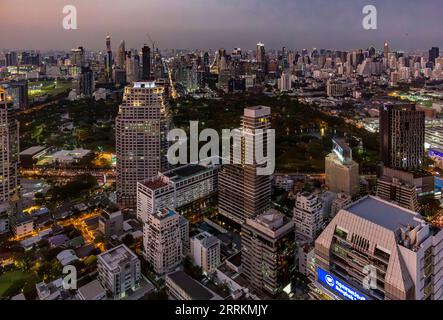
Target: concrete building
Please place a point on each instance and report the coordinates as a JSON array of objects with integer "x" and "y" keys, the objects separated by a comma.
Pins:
[
  {"x": 268, "y": 251},
  {"x": 141, "y": 138},
  {"x": 162, "y": 245},
  {"x": 342, "y": 173},
  {"x": 192, "y": 186},
  {"x": 92, "y": 291},
  {"x": 402, "y": 137},
  {"x": 341, "y": 201},
  {"x": 184, "y": 234},
  {"x": 308, "y": 216},
  {"x": 394, "y": 190},
  {"x": 242, "y": 192},
  {"x": 377, "y": 250},
  {"x": 119, "y": 271},
  {"x": 205, "y": 251},
  {"x": 9, "y": 152},
  {"x": 110, "y": 223},
  {"x": 180, "y": 286}
]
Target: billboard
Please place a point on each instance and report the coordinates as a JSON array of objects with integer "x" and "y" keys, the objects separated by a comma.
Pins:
[{"x": 337, "y": 286}]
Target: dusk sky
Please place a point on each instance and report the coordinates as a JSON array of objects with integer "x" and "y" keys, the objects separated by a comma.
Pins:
[{"x": 406, "y": 24}]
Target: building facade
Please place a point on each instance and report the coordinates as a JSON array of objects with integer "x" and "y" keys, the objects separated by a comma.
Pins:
[
  {"x": 192, "y": 184},
  {"x": 268, "y": 251},
  {"x": 141, "y": 138},
  {"x": 9, "y": 153},
  {"x": 242, "y": 192},
  {"x": 119, "y": 271},
  {"x": 376, "y": 250},
  {"x": 308, "y": 216},
  {"x": 402, "y": 137},
  {"x": 162, "y": 244}
]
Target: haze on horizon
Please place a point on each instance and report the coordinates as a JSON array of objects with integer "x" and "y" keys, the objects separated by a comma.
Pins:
[{"x": 337, "y": 24}]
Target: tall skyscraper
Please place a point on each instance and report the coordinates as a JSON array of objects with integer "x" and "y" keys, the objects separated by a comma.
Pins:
[
  {"x": 402, "y": 137},
  {"x": 268, "y": 250},
  {"x": 386, "y": 50},
  {"x": 121, "y": 56},
  {"x": 9, "y": 151},
  {"x": 109, "y": 61},
  {"x": 260, "y": 55},
  {"x": 242, "y": 192},
  {"x": 141, "y": 138},
  {"x": 434, "y": 53},
  {"x": 146, "y": 63}
]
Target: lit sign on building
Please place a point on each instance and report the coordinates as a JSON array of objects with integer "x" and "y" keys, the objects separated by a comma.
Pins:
[
  {"x": 342, "y": 150},
  {"x": 338, "y": 286}
]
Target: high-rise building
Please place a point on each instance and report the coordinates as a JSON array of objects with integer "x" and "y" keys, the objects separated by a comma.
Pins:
[
  {"x": 119, "y": 271},
  {"x": 342, "y": 173},
  {"x": 190, "y": 187},
  {"x": 18, "y": 91},
  {"x": 376, "y": 250},
  {"x": 77, "y": 57},
  {"x": 285, "y": 82},
  {"x": 9, "y": 151},
  {"x": 205, "y": 251},
  {"x": 308, "y": 216},
  {"x": 162, "y": 245},
  {"x": 386, "y": 50},
  {"x": 242, "y": 192},
  {"x": 141, "y": 138},
  {"x": 146, "y": 63},
  {"x": 260, "y": 56},
  {"x": 268, "y": 251},
  {"x": 109, "y": 61},
  {"x": 434, "y": 53},
  {"x": 11, "y": 59},
  {"x": 84, "y": 84},
  {"x": 402, "y": 136},
  {"x": 121, "y": 56}
]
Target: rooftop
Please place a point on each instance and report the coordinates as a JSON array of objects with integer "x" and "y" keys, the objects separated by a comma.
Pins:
[
  {"x": 32, "y": 150},
  {"x": 383, "y": 213},
  {"x": 91, "y": 290},
  {"x": 115, "y": 256},
  {"x": 186, "y": 171},
  {"x": 190, "y": 286}
]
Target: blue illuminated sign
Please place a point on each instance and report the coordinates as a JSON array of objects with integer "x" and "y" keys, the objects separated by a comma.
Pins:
[{"x": 338, "y": 286}]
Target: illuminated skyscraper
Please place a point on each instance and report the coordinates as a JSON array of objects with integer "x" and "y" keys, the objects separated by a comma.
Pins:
[
  {"x": 9, "y": 138},
  {"x": 242, "y": 192},
  {"x": 141, "y": 138},
  {"x": 260, "y": 55},
  {"x": 386, "y": 50},
  {"x": 402, "y": 137}
]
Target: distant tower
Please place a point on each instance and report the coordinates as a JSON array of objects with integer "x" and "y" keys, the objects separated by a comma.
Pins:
[
  {"x": 9, "y": 138},
  {"x": 386, "y": 50},
  {"x": 108, "y": 58},
  {"x": 146, "y": 63},
  {"x": 261, "y": 55},
  {"x": 121, "y": 56},
  {"x": 141, "y": 146}
]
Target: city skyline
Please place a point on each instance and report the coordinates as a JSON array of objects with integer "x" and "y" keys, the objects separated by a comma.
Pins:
[{"x": 214, "y": 24}]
